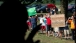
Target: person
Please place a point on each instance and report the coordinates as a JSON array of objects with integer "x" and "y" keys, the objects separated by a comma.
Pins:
[
  {"x": 13, "y": 23},
  {"x": 73, "y": 28},
  {"x": 66, "y": 30},
  {"x": 33, "y": 22},
  {"x": 48, "y": 10},
  {"x": 48, "y": 14},
  {"x": 44, "y": 19},
  {"x": 52, "y": 11},
  {"x": 36, "y": 16},
  {"x": 60, "y": 33},
  {"x": 75, "y": 24},
  {"x": 29, "y": 23},
  {"x": 69, "y": 21},
  {"x": 48, "y": 20},
  {"x": 42, "y": 22}
]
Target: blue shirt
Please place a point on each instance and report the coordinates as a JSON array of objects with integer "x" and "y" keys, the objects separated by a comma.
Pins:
[
  {"x": 33, "y": 20},
  {"x": 45, "y": 20}
]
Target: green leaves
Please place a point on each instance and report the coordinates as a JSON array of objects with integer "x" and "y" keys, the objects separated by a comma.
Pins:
[{"x": 70, "y": 1}]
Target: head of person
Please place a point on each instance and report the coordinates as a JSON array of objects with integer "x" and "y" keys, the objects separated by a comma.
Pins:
[
  {"x": 48, "y": 15},
  {"x": 72, "y": 17},
  {"x": 44, "y": 15},
  {"x": 31, "y": 16},
  {"x": 69, "y": 18},
  {"x": 41, "y": 15}
]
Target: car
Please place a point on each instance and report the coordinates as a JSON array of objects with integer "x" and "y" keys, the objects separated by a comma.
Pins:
[
  {"x": 43, "y": 9},
  {"x": 71, "y": 7},
  {"x": 37, "y": 5}
]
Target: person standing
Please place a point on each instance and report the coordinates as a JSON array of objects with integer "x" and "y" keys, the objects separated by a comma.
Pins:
[
  {"x": 66, "y": 30},
  {"x": 36, "y": 17},
  {"x": 73, "y": 28},
  {"x": 44, "y": 19},
  {"x": 48, "y": 20},
  {"x": 33, "y": 22},
  {"x": 75, "y": 24},
  {"x": 42, "y": 23}
]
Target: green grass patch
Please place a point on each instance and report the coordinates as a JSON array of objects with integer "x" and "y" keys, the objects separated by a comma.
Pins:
[{"x": 44, "y": 39}]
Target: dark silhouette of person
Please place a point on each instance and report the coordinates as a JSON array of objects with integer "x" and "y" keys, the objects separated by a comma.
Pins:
[
  {"x": 75, "y": 23},
  {"x": 13, "y": 22}
]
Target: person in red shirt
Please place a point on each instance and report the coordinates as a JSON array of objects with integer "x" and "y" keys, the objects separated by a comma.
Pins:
[{"x": 48, "y": 21}]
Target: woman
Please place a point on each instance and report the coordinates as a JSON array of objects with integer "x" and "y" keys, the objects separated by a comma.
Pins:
[
  {"x": 66, "y": 30},
  {"x": 73, "y": 28}
]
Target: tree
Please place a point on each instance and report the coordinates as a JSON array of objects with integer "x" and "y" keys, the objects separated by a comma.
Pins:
[
  {"x": 48, "y": 1},
  {"x": 64, "y": 7},
  {"x": 27, "y": 2},
  {"x": 52, "y": 1},
  {"x": 44, "y": 1}
]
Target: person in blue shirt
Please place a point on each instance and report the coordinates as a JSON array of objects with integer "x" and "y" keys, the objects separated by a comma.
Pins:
[{"x": 33, "y": 22}]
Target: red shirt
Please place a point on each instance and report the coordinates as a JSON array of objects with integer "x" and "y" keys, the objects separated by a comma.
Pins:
[{"x": 48, "y": 21}]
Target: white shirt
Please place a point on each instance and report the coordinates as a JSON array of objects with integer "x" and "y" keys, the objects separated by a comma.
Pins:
[{"x": 41, "y": 21}]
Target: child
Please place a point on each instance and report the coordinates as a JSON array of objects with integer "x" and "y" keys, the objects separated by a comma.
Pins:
[
  {"x": 48, "y": 20},
  {"x": 42, "y": 22},
  {"x": 29, "y": 23}
]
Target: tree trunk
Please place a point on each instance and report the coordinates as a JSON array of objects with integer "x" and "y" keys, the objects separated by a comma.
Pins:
[{"x": 64, "y": 7}]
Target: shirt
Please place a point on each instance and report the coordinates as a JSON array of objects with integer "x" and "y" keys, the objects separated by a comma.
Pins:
[
  {"x": 33, "y": 20},
  {"x": 41, "y": 21},
  {"x": 48, "y": 21},
  {"x": 72, "y": 25},
  {"x": 44, "y": 20}
]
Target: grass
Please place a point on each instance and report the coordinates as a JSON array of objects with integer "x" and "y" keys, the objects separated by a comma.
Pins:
[{"x": 44, "y": 39}]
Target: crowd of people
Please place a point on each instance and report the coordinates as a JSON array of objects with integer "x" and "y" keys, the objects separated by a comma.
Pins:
[
  {"x": 13, "y": 23},
  {"x": 45, "y": 21}
]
